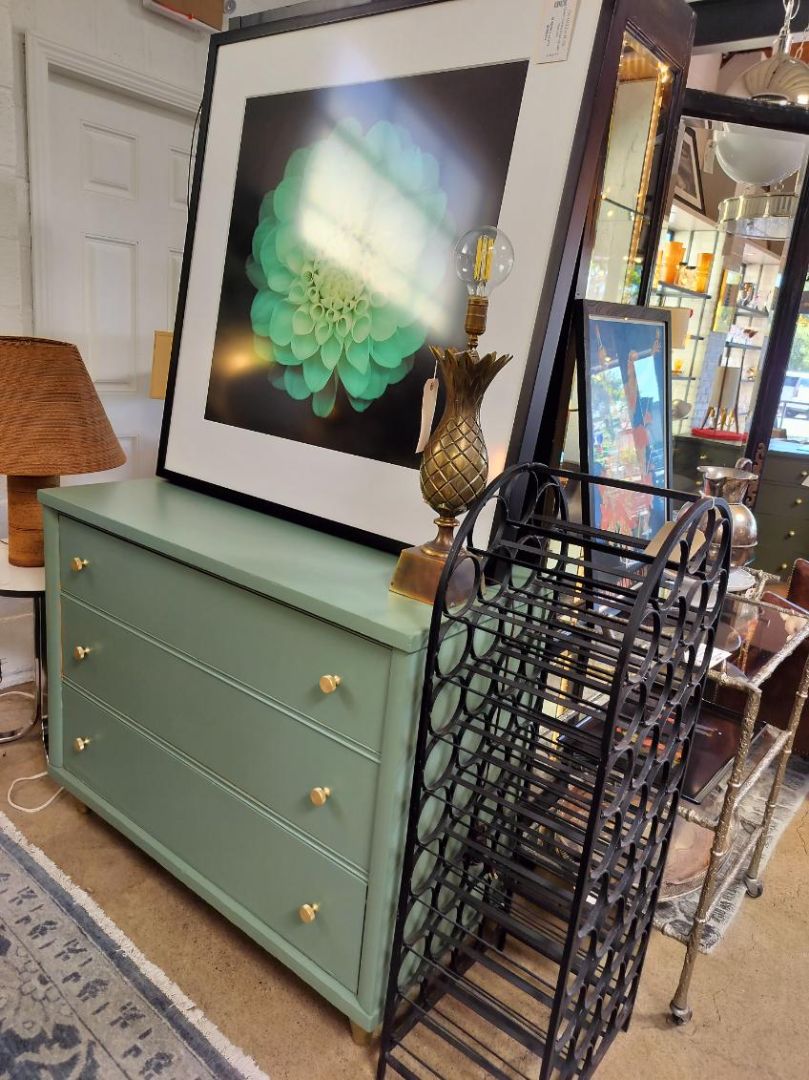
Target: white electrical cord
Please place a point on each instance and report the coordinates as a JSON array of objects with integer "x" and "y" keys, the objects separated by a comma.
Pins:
[
  {"x": 23, "y": 779},
  {"x": 31, "y": 809}
]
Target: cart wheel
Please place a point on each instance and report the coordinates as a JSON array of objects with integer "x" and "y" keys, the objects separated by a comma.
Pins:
[
  {"x": 754, "y": 887},
  {"x": 680, "y": 1016}
]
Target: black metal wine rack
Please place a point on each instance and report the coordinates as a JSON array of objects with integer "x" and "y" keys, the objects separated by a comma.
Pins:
[{"x": 558, "y": 709}]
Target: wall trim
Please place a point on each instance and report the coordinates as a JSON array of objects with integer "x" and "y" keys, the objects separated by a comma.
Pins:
[{"x": 42, "y": 58}]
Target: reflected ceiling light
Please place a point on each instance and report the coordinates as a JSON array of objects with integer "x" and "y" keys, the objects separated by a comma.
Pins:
[
  {"x": 782, "y": 79},
  {"x": 764, "y": 217}
]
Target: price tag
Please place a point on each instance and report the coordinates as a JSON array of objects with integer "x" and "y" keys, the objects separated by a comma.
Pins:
[
  {"x": 556, "y": 25},
  {"x": 428, "y": 403}
]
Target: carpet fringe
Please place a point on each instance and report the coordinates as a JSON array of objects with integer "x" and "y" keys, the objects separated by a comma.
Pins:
[{"x": 232, "y": 1054}]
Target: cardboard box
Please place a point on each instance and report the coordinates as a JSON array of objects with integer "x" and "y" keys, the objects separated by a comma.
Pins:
[
  {"x": 211, "y": 12},
  {"x": 161, "y": 358}
]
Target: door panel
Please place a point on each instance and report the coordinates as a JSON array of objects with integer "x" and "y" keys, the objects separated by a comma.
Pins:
[{"x": 117, "y": 204}]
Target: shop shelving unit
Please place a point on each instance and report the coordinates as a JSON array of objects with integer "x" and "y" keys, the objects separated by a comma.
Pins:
[{"x": 557, "y": 714}]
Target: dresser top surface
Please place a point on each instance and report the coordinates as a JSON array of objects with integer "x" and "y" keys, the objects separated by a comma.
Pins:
[{"x": 333, "y": 579}]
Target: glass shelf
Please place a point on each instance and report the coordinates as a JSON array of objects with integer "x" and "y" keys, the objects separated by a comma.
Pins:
[{"x": 664, "y": 288}]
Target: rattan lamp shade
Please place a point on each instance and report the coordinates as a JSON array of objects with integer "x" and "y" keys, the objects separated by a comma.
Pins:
[{"x": 51, "y": 423}]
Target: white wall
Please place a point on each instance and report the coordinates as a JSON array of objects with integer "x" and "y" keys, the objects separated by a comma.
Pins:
[{"x": 118, "y": 30}]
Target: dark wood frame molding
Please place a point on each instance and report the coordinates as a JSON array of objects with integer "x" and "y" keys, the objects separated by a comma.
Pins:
[
  {"x": 722, "y": 109},
  {"x": 667, "y": 30}
]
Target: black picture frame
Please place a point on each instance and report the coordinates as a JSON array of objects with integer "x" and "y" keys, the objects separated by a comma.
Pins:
[
  {"x": 673, "y": 21},
  {"x": 602, "y": 377},
  {"x": 305, "y": 17},
  {"x": 688, "y": 188}
]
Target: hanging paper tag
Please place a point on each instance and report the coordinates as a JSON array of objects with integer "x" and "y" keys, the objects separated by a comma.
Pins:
[
  {"x": 555, "y": 31},
  {"x": 428, "y": 403},
  {"x": 710, "y": 156}
]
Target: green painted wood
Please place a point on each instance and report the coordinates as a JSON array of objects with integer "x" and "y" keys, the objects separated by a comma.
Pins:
[
  {"x": 231, "y": 844},
  {"x": 53, "y": 621},
  {"x": 335, "y": 580},
  {"x": 325, "y": 984},
  {"x": 269, "y": 754},
  {"x": 393, "y": 798},
  {"x": 274, "y": 649}
]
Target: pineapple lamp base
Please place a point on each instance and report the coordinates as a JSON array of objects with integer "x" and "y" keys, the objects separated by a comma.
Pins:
[{"x": 419, "y": 569}]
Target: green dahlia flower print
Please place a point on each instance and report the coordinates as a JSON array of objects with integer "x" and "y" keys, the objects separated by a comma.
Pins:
[{"x": 347, "y": 255}]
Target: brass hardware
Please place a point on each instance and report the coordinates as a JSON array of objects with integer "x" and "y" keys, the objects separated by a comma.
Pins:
[
  {"x": 790, "y": 534},
  {"x": 329, "y": 683},
  {"x": 798, "y": 502},
  {"x": 81, "y": 652},
  {"x": 703, "y": 457},
  {"x": 307, "y": 913},
  {"x": 804, "y": 473},
  {"x": 319, "y": 795},
  {"x": 784, "y": 566},
  {"x": 80, "y": 744},
  {"x": 78, "y": 564}
]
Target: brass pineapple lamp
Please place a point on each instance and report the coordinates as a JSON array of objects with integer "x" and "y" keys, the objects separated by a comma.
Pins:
[
  {"x": 455, "y": 464},
  {"x": 51, "y": 423}
]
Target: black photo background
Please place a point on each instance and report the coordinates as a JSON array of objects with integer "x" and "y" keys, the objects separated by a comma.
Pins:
[{"x": 306, "y": 348}]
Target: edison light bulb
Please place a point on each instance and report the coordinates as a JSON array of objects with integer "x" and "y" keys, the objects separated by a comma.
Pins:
[{"x": 484, "y": 258}]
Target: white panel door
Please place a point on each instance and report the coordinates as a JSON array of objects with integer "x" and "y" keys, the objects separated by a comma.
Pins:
[{"x": 112, "y": 246}]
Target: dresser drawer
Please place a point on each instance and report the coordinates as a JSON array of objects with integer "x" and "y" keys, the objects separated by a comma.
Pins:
[
  {"x": 790, "y": 503},
  {"x": 275, "y": 649},
  {"x": 233, "y": 845},
  {"x": 785, "y": 469},
  {"x": 777, "y": 550},
  {"x": 271, "y": 756}
]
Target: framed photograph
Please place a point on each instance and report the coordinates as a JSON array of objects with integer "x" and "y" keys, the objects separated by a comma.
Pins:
[
  {"x": 340, "y": 157},
  {"x": 688, "y": 182},
  {"x": 624, "y": 360}
]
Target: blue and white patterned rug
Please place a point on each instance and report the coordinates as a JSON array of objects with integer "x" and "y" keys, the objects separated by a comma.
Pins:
[{"x": 77, "y": 999}]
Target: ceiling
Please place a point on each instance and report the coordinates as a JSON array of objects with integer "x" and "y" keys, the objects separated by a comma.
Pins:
[{"x": 740, "y": 23}]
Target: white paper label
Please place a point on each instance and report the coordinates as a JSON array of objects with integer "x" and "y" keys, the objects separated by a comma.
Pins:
[
  {"x": 710, "y": 156},
  {"x": 555, "y": 30},
  {"x": 428, "y": 403}
]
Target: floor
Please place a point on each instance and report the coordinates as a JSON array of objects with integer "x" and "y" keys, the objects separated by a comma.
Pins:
[{"x": 749, "y": 997}]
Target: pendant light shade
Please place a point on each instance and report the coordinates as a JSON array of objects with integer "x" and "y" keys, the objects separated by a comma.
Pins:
[
  {"x": 51, "y": 423},
  {"x": 780, "y": 80}
]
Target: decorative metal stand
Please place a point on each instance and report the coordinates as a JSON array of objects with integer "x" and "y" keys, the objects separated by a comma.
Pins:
[{"x": 557, "y": 715}]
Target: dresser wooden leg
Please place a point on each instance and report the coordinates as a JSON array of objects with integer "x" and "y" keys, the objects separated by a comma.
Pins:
[{"x": 360, "y": 1036}]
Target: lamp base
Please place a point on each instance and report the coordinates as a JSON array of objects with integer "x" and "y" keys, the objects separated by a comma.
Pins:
[
  {"x": 419, "y": 569},
  {"x": 25, "y": 541}
]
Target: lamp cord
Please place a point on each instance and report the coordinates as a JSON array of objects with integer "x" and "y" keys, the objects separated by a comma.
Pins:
[{"x": 24, "y": 779}]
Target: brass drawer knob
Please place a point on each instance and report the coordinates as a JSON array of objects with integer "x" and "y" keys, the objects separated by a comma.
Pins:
[
  {"x": 81, "y": 652},
  {"x": 78, "y": 564},
  {"x": 80, "y": 744},
  {"x": 319, "y": 795},
  {"x": 798, "y": 502},
  {"x": 790, "y": 534},
  {"x": 703, "y": 457},
  {"x": 329, "y": 683},
  {"x": 784, "y": 566},
  {"x": 307, "y": 913},
  {"x": 804, "y": 473}
]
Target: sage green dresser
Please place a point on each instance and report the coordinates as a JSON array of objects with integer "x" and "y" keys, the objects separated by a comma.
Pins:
[{"x": 239, "y": 696}]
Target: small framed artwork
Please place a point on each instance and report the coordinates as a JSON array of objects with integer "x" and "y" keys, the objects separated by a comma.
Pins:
[
  {"x": 688, "y": 182},
  {"x": 341, "y": 155},
  {"x": 624, "y": 358}
]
